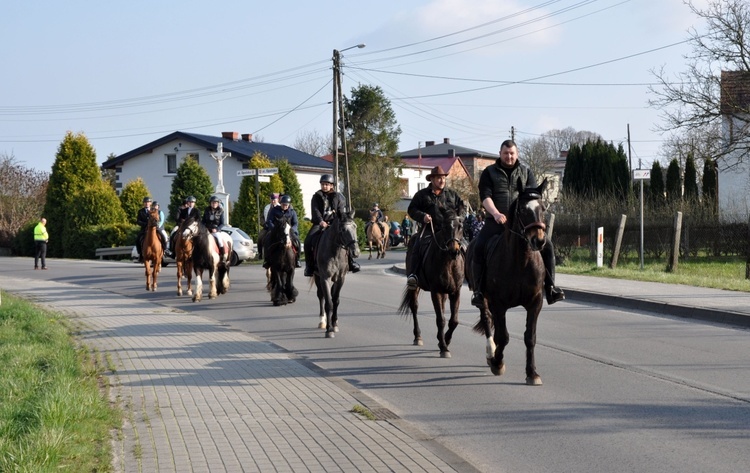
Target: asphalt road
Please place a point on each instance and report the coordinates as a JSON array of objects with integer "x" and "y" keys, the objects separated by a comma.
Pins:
[{"x": 623, "y": 391}]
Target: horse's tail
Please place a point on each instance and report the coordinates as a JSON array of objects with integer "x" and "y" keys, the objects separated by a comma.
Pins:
[{"x": 406, "y": 300}]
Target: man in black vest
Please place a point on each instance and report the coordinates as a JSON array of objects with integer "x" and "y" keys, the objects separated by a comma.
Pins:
[{"x": 497, "y": 189}]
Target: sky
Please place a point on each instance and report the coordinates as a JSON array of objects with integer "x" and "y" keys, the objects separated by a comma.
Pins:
[{"x": 127, "y": 73}]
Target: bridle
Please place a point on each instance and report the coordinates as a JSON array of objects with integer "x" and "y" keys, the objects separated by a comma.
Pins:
[
  {"x": 531, "y": 196},
  {"x": 340, "y": 240},
  {"x": 440, "y": 245}
]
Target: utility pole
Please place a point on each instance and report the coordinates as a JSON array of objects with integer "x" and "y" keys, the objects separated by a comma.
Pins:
[
  {"x": 339, "y": 125},
  {"x": 513, "y": 133}
]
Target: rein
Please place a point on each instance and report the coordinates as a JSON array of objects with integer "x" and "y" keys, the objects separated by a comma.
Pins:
[{"x": 435, "y": 239}]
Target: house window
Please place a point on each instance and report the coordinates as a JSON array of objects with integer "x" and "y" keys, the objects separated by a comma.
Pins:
[
  {"x": 421, "y": 185},
  {"x": 171, "y": 164}
]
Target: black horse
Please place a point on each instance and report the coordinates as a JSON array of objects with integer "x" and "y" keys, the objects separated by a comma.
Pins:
[
  {"x": 281, "y": 257},
  {"x": 441, "y": 273},
  {"x": 332, "y": 262},
  {"x": 514, "y": 276}
]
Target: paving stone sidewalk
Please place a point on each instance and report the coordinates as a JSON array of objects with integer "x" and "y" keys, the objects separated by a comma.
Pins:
[{"x": 201, "y": 397}]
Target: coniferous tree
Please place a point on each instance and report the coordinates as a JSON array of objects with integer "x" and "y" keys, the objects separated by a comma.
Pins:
[
  {"x": 691, "y": 179},
  {"x": 710, "y": 186},
  {"x": 656, "y": 185},
  {"x": 292, "y": 187},
  {"x": 95, "y": 204},
  {"x": 249, "y": 207},
  {"x": 673, "y": 184},
  {"x": 191, "y": 179},
  {"x": 73, "y": 170},
  {"x": 131, "y": 198}
]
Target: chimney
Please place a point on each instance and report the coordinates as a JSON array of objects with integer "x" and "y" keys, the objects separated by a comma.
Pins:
[
  {"x": 247, "y": 137},
  {"x": 451, "y": 152},
  {"x": 447, "y": 141},
  {"x": 429, "y": 143},
  {"x": 230, "y": 135}
]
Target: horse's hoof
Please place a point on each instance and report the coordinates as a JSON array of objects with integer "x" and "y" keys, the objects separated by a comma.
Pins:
[
  {"x": 322, "y": 325},
  {"x": 418, "y": 342},
  {"x": 330, "y": 335},
  {"x": 292, "y": 301},
  {"x": 497, "y": 370},
  {"x": 276, "y": 303},
  {"x": 445, "y": 354},
  {"x": 489, "y": 362},
  {"x": 336, "y": 329},
  {"x": 535, "y": 380}
]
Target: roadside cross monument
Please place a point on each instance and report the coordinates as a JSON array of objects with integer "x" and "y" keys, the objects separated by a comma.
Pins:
[{"x": 220, "y": 156}]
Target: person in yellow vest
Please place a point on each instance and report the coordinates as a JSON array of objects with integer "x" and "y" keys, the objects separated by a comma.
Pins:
[{"x": 40, "y": 242}]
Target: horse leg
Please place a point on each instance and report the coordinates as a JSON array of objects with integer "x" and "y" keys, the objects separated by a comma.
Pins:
[
  {"x": 501, "y": 339},
  {"x": 157, "y": 268},
  {"x": 179, "y": 278},
  {"x": 321, "y": 301},
  {"x": 529, "y": 339},
  {"x": 291, "y": 291},
  {"x": 198, "y": 285},
  {"x": 485, "y": 324},
  {"x": 438, "y": 302},
  {"x": 335, "y": 299},
  {"x": 455, "y": 302},
  {"x": 328, "y": 308},
  {"x": 147, "y": 266},
  {"x": 414, "y": 306},
  {"x": 189, "y": 276},
  {"x": 212, "y": 283}
]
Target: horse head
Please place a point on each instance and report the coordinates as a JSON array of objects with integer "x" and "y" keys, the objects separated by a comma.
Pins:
[
  {"x": 282, "y": 231},
  {"x": 346, "y": 232},
  {"x": 451, "y": 231},
  {"x": 153, "y": 218},
  {"x": 527, "y": 215},
  {"x": 190, "y": 228}
]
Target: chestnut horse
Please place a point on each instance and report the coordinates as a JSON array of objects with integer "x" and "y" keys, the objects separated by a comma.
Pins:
[
  {"x": 514, "y": 276},
  {"x": 377, "y": 233},
  {"x": 184, "y": 259},
  {"x": 441, "y": 273},
  {"x": 152, "y": 250}
]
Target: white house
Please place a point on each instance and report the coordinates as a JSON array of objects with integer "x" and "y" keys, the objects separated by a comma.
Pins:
[
  {"x": 157, "y": 162},
  {"x": 734, "y": 178}
]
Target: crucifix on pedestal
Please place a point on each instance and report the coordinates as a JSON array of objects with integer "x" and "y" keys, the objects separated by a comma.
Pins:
[{"x": 220, "y": 156}]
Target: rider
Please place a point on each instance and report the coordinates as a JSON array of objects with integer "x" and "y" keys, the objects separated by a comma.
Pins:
[
  {"x": 379, "y": 217},
  {"x": 142, "y": 220},
  {"x": 425, "y": 208},
  {"x": 213, "y": 219},
  {"x": 325, "y": 205},
  {"x": 284, "y": 209},
  {"x": 187, "y": 211},
  {"x": 497, "y": 189},
  {"x": 160, "y": 228}
]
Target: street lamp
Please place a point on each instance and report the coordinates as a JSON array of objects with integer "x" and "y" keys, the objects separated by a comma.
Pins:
[{"x": 338, "y": 111}]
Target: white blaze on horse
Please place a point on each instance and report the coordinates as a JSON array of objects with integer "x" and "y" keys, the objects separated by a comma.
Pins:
[{"x": 206, "y": 257}]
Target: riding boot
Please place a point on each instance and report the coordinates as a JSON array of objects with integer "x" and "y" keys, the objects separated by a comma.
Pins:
[
  {"x": 411, "y": 280},
  {"x": 552, "y": 292},
  {"x": 139, "y": 247},
  {"x": 353, "y": 265},
  {"x": 477, "y": 273},
  {"x": 309, "y": 269}
]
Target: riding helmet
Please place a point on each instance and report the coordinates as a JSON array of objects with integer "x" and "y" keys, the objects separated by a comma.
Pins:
[
  {"x": 147, "y": 199},
  {"x": 154, "y": 203},
  {"x": 376, "y": 204},
  {"x": 190, "y": 199},
  {"x": 214, "y": 199},
  {"x": 285, "y": 199},
  {"x": 326, "y": 178}
]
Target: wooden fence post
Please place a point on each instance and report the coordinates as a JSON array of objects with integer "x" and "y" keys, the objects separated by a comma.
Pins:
[
  {"x": 618, "y": 241},
  {"x": 675, "y": 250}
]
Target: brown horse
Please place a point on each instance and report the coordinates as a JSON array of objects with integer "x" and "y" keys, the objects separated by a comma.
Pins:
[
  {"x": 184, "y": 258},
  {"x": 152, "y": 250},
  {"x": 514, "y": 276},
  {"x": 377, "y": 232},
  {"x": 441, "y": 273}
]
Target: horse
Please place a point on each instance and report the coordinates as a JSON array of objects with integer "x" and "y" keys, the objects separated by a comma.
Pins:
[
  {"x": 514, "y": 276},
  {"x": 152, "y": 250},
  {"x": 377, "y": 233},
  {"x": 206, "y": 258},
  {"x": 281, "y": 257},
  {"x": 442, "y": 274},
  {"x": 184, "y": 259},
  {"x": 332, "y": 261}
]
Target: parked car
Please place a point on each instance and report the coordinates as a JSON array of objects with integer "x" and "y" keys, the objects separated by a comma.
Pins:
[
  {"x": 243, "y": 247},
  {"x": 395, "y": 237}
]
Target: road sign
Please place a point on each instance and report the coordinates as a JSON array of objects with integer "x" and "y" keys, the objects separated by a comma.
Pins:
[
  {"x": 264, "y": 178},
  {"x": 257, "y": 172},
  {"x": 642, "y": 174}
]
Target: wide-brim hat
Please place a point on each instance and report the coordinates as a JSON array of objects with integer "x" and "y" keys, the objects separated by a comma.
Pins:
[
  {"x": 436, "y": 171},
  {"x": 275, "y": 196}
]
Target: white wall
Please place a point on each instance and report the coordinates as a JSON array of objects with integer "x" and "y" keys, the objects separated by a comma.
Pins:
[{"x": 734, "y": 186}]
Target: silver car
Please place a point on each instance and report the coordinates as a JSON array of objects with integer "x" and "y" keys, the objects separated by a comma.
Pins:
[{"x": 243, "y": 247}]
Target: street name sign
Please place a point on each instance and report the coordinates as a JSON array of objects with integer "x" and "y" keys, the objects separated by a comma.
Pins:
[{"x": 642, "y": 174}]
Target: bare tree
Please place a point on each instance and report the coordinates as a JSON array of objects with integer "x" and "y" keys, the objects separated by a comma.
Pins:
[
  {"x": 541, "y": 153},
  {"x": 312, "y": 142},
  {"x": 22, "y": 196},
  {"x": 693, "y": 100}
]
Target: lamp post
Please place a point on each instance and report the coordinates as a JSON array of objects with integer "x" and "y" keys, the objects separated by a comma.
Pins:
[{"x": 339, "y": 126}]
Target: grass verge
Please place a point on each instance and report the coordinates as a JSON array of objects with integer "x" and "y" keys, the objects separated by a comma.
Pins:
[{"x": 54, "y": 409}]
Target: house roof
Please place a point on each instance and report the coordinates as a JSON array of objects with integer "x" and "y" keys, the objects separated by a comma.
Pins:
[
  {"x": 242, "y": 150},
  {"x": 446, "y": 163},
  {"x": 735, "y": 92},
  {"x": 444, "y": 150}
]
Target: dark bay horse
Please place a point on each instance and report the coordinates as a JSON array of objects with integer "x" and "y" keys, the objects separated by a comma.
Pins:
[
  {"x": 152, "y": 250},
  {"x": 281, "y": 257},
  {"x": 514, "y": 276},
  {"x": 442, "y": 274},
  {"x": 377, "y": 233},
  {"x": 332, "y": 261},
  {"x": 206, "y": 258}
]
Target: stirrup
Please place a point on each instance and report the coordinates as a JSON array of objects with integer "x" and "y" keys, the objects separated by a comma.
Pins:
[
  {"x": 354, "y": 266},
  {"x": 309, "y": 271},
  {"x": 412, "y": 282},
  {"x": 554, "y": 294},
  {"x": 477, "y": 299}
]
